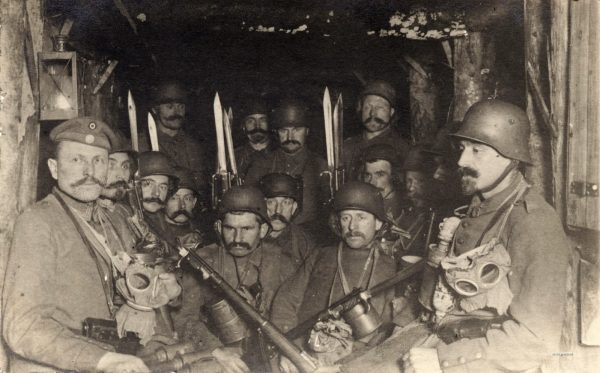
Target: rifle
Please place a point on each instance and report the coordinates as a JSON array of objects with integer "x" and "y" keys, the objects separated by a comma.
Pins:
[
  {"x": 355, "y": 297},
  {"x": 290, "y": 350},
  {"x": 223, "y": 179},
  {"x": 333, "y": 142}
]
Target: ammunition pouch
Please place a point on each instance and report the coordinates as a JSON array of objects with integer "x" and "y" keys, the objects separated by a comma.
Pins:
[
  {"x": 468, "y": 328},
  {"x": 105, "y": 331}
]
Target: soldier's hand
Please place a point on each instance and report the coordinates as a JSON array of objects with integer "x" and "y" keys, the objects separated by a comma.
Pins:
[
  {"x": 421, "y": 360},
  {"x": 112, "y": 362},
  {"x": 230, "y": 361},
  {"x": 168, "y": 284},
  {"x": 286, "y": 365}
]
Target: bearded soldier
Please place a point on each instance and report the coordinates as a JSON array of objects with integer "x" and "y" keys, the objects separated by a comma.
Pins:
[
  {"x": 255, "y": 125},
  {"x": 284, "y": 200},
  {"x": 493, "y": 311},
  {"x": 63, "y": 260},
  {"x": 377, "y": 107}
]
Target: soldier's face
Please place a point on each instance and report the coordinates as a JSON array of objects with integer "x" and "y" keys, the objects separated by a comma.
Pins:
[
  {"x": 242, "y": 233},
  {"x": 480, "y": 166},
  {"x": 416, "y": 185},
  {"x": 376, "y": 113},
  {"x": 180, "y": 206},
  {"x": 256, "y": 128},
  {"x": 281, "y": 210},
  {"x": 80, "y": 170},
  {"x": 170, "y": 115},
  {"x": 292, "y": 139},
  {"x": 358, "y": 228},
  {"x": 379, "y": 174},
  {"x": 154, "y": 192},
  {"x": 119, "y": 174}
]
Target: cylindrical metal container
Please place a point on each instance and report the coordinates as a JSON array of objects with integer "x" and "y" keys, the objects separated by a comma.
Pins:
[
  {"x": 363, "y": 319},
  {"x": 227, "y": 322}
]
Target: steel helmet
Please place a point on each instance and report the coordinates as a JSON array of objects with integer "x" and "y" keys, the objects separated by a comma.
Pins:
[
  {"x": 290, "y": 113},
  {"x": 186, "y": 179},
  {"x": 380, "y": 88},
  {"x": 418, "y": 160},
  {"x": 281, "y": 185},
  {"x": 244, "y": 199},
  {"x": 155, "y": 163},
  {"x": 498, "y": 124},
  {"x": 356, "y": 195},
  {"x": 255, "y": 105}
]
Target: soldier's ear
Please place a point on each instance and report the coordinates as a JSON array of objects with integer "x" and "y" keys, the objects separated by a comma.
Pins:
[
  {"x": 378, "y": 224},
  {"x": 264, "y": 230},
  {"x": 218, "y": 227},
  {"x": 53, "y": 167},
  {"x": 294, "y": 208},
  {"x": 392, "y": 112}
]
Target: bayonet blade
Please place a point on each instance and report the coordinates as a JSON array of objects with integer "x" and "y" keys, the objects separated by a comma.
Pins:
[
  {"x": 132, "y": 122},
  {"x": 338, "y": 129},
  {"x": 328, "y": 128},
  {"x": 221, "y": 160},
  {"x": 153, "y": 134},
  {"x": 229, "y": 142}
]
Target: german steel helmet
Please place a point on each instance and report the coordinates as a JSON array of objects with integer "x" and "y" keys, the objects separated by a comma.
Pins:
[
  {"x": 185, "y": 179},
  {"x": 498, "y": 124},
  {"x": 254, "y": 105},
  {"x": 155, "y": 163},
  {"x": 244, "y": 199},
  {"x": 281, "y": 185},
  {"x": 356, "y": 195},
  {"x": 290, "y": 113},
  {"x": 380, "y": 88}
]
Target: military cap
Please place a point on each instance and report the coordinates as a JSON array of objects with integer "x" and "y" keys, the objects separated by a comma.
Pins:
[
  {"x": 254, "y": 105},
  {"x": 291, "y": 113},
  {"x": 380, "y": 88},
  {"x": 85, "y": 130},
  {"x": 185, "y": 179},
  {"x": 385, "y": 152}
]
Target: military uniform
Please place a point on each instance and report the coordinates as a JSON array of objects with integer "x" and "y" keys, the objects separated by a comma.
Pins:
[
  {"x": 185, "y": 151},
  {"x": 354, "y": 149},
  {"x": 52, "y": 284},
  {"x": 246, "y": 155},
  {"x": 296, "y": 243},
  {"x": 303, "y": 164}
]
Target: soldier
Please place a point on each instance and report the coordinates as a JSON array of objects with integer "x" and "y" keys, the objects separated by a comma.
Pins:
[
  {"x": 377, "y": 109},
  {"x": 62, "y": 261},
  {"x": 284, "y": 200},
  {"x": 169, "y": 108},
  {"x": 290, "y": 121},
  {"x": 254, "y": 267},
  {"x": 333, "y": 272},
  {"x": 381, "y": 169},
  {"x": 255, "y": 125},
  {"x": 508, "y": 321}
]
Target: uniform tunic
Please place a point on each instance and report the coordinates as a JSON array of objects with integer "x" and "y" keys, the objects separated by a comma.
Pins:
[
  {"x": 245, "y": 155},
  {"x": 539, "y": 252},
  {"x": 308, "y": 291},
  {"x": 304, "y": 163},
  {"x": 52, "y": 284},
  {"x": 354, "y": 150},
  {"x": 296, "y": 243},
  {"x": 185, "y": 151}
]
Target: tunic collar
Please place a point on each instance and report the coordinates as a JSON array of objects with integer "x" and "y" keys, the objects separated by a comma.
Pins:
[
  {"x": 480, "y": 206},
  {"x": 84, "y": 209}
]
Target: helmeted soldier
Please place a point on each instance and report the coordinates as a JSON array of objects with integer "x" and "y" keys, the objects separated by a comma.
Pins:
[
  {"x": 255, "y": 125},
  {"x": 169, "y": 100},
  {"x": 503, "y": 254},
  {"x": 63, "y": 258},
  {"x": 377, "y": 108},
  {"x": 333, "y": 272},
  {"x": 291, "y": 123},
  {"x": 249, "y": 264},
  {"x": 284, "y": 200}
]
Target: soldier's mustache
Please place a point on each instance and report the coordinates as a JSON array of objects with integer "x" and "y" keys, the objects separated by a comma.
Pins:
[
  {"x": 257, "y": 131},
  {"x": 291, "y": 142},
  {"x": 117, "y": 184},
  {"x": 87, "y": 180},
  {"x": 468, "y": 171},
  {"x": 239, "y": 245},
  {"x": 181, "y": 212},
  {"x": 354, "y": 234},
  {"x": 374, "y": 119},
  {"x": 152, "y": 199},
  {"x": 279, "y": 217}
]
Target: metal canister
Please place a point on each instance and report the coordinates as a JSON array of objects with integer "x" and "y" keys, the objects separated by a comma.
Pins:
[
  {"x": 363, "y": 319},
  {"x": 230, "y": 326}
]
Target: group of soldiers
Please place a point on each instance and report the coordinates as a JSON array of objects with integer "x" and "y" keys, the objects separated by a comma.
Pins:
[{"x": 101, "y": 259}]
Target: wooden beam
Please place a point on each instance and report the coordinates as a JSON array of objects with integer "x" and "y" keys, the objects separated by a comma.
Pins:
[
  {"x": 109, "y": 70},
  {"x": 415, "y": 65},
  {"x": 540, "y": 100},
  {"x": 66, "y": 27}
]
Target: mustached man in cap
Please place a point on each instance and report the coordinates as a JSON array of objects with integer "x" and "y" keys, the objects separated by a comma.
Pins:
[
  {"x": 377, "y": 108},
  {"x": 291, "y": 123},
  {"x": 249, "y": 264},
  {"x": 62, "y": 262},
  {"x": 255, "y": 125},
  {"x": 169, "y": 100},
  {"x": 333, "y": 272},
  {"x": 284, "y": 200},
  {"x": 492, "y": 308}
]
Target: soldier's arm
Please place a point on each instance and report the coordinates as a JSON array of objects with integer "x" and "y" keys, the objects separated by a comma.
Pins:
[
  {"x": 538, "y": 305},
  {"x": 30, "y": 325}
]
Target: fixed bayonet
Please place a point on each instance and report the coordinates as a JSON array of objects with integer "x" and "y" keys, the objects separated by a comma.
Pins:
[
  {"x": 152, "y": 133},
  {"x": 132, "y": 122},
  {"x": 333, "y": 142}
]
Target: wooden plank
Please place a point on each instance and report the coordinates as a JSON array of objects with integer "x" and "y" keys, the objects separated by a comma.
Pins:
[
  {"x": 593, "y": 141},
  {"x": 578, "y": 101}
]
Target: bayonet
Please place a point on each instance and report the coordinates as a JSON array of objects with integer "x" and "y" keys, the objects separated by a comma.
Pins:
[
  {"x": 132, "y": 122},
  {"x": 153, "y": 133}
]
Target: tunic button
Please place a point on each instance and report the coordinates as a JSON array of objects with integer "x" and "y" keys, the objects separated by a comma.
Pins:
[
  {"x": 478, "y": 355},
  {"x": 445, "y": 364},
  {"x": 462, "y": 360}
]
